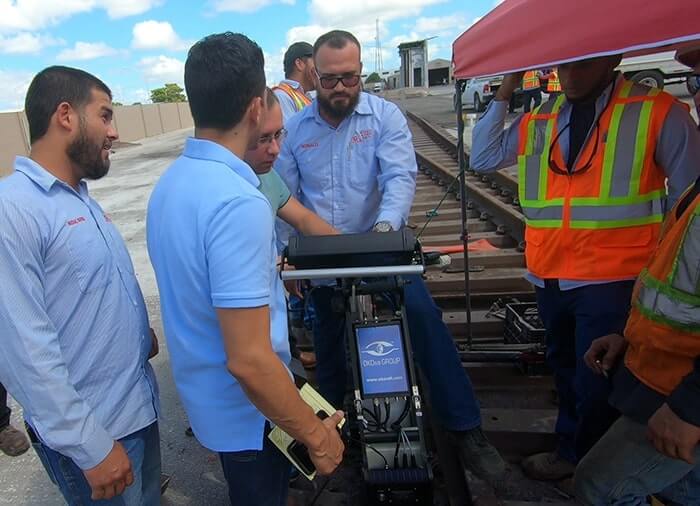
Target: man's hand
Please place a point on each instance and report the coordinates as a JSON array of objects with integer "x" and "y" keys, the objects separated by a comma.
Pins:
[
  {"x": 671, "y": 436},
  {"x": 154, "y": 345},
  {"x": 327, "y": 456},
  {"x": 293, "y": 287},
  {"x": 510, "y": 83},
  {"x": 110, "y": 477},
  {"x": 605, "y": 352}
]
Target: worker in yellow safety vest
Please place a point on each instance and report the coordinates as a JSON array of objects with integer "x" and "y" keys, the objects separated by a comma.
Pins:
[
  {"x": 532, "y": 89},
  {"x": 553, "y": 83},
  {"x": 594, "y": 164},
  {"x": 299, "y": 79},
  {"x": 653, "y": 447}
]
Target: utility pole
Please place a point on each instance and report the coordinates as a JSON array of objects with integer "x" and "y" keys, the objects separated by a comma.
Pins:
[{"x": 378, "y": 64}]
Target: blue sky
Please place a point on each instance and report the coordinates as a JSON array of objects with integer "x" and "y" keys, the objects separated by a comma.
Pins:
[{"x": 138, "y": 45}]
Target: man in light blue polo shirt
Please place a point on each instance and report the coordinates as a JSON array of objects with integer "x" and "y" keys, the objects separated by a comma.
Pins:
[
  {"x": 211, "y": 241},
  {"x": 349, "y": 158}
]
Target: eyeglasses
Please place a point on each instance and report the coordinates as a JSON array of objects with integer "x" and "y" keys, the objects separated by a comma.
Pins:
[
  {"x": 278, "y": 136},
  {"x": 554, "y": 167},
  {"x": 330, "y": 82}
]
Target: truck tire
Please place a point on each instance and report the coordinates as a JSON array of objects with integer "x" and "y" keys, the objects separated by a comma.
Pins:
[
  {"x": 478, "y": 104},
  {"x": 651, "y": 78},
  {"x": 692, "y": 88}
]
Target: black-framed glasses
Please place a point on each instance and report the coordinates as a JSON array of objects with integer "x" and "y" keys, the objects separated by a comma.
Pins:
[
  {"x": 554, "y": 167},
  {"x": 330, "y": 82},
  {"x": 278, "y": 136}
]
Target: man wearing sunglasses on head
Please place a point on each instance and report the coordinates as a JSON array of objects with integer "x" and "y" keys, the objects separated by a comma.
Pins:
[
  {"x": 593, "y": 165},
  {"x": 349, "y": 158}
]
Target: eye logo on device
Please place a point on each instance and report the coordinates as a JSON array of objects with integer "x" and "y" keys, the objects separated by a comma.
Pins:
[{"x": 380, "y": 349}]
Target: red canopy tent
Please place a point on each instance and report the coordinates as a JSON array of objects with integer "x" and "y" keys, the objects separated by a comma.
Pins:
[{"x": 529, "y": 34}]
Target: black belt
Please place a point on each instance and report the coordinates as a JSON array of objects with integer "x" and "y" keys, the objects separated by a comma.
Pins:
[{"x": 551, "y": 283}]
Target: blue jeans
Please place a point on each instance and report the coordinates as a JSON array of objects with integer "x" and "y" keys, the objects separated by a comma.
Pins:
[
  {"x": 624, "y": 468},
  {"x": 143, "y": 449},
  {"x": 451, "y": 392},
  {"x": 257, "y": 477},
  {"x": 573, "y": 319}
]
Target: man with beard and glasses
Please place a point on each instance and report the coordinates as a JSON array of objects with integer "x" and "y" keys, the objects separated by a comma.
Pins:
[
  {"x": 76, "y": 338},
  {"x": 349, "y": 158},
  {"x": 211, "y": 241},
  {"x": 594, "y": 165}
]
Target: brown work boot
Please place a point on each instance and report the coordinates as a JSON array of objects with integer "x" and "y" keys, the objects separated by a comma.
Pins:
[
  {"x": 547, "y": 467},
  {"x": 479, "y": 456},
  {"x": 307, "y": 359},
  {"x": 13, "y": 442}
]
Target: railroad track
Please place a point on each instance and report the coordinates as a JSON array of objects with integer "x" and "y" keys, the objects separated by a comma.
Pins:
[{"x": 494, "y": 219}]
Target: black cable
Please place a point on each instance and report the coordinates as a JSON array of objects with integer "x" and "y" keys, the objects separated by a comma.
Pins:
[
  {"x": 387, "y": 406},
  {"x": 404, "y": 413},
  {"x": 434, "y": 211},
  {"x": 386, "y": 462},
  {"x": 320, "y": 491}
]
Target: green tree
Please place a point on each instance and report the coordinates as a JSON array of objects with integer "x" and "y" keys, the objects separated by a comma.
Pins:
[
  {"x": 171, "y": 92},
  {"x": 117, "y": 104},
  {"x": 373, "y": 78}
]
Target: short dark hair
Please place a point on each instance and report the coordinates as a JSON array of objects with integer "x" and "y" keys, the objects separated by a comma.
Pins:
[
  {"x": 53, "y": 86},
  {"x": 298, "y": 50},
  {"x": 337, "y": 39},
  {"x": 272, "y": 99},
  {"x": 223, "y": 73}
]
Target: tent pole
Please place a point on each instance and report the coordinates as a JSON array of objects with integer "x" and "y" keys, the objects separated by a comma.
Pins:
[{"x": 460, "y": 84}]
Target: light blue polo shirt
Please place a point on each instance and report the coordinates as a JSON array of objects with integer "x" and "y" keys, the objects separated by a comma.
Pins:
[{"x": 211, "y": 241}]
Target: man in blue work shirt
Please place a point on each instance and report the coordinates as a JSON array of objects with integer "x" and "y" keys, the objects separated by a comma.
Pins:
[
  {"x": 349, "y": 158},
  {"x": 298, "y": 79},
  {"x": 594, "y": 300},
  {"x": 211, "y": 239},
  {"x": 76, "y": 339}
]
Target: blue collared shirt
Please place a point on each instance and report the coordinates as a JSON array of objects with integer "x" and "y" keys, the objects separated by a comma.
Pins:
[
  {"x": 73, "y": 321},
  {"x": 211, "y": 239},
  {"x": 289, "y": 107},
  {"x": 356, "y": 175},
  {"x": 677, "y": 151}
]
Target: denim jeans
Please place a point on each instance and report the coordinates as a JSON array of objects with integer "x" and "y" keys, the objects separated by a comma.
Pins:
[
  {"x": 451, "y": 392},
  {"x": 143, "y": 449},
  {"x": 624, "y": 468},
  {"x": 5, "y": 411},
  {"x": 573, "y": 319},
  {"x": 257, "y": 477}
]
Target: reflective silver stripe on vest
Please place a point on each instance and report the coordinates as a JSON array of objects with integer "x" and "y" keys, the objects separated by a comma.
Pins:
[
  {"x": 687, "y": 273},
  {"x": 616, "y": 212},
  {"x": 624, "y": 149},
  {"x": 664, "y": 307},
  {"x": 532, "y": 177},
  {"x": 544, "y": 213}
]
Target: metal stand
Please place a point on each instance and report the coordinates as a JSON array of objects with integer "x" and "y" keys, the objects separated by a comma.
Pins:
[{"x": 462, "y": 163}]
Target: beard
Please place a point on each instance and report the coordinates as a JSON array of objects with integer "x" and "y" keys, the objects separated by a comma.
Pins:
[
  {"x": 338, "y": 111},
  {"x": 86, "y": 153}
]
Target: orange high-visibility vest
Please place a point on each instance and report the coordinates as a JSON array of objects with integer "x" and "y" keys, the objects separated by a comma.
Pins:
[
  {"x": 531, "y": 80},
  {"x": 553, "y": 84},
  {"x": 663, "y": 330},
  {"x": 300, "y": 100},
  {"x": 601, "y": 223}
]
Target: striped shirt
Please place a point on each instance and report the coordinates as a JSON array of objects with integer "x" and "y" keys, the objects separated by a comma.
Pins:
[{"x": 72, "y": 318}]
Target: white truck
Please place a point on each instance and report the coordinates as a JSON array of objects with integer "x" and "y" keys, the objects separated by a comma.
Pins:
[{"x": 655, "y": 70}]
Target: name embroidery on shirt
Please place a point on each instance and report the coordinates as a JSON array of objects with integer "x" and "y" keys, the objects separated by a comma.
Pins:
[
  {"x": 309, "y": 145},
  {"x": 75, "y": 221}
]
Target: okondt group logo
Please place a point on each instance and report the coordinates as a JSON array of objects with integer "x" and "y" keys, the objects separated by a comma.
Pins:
[{"x": 380, "y": 349}]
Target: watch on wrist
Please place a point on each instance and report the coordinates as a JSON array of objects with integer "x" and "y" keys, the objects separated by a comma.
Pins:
[{"x": 382, "y": 226}]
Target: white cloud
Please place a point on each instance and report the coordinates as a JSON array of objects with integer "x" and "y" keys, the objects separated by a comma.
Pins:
[
  {"x": 246, "y": 6},
  {"x": 332, "y": 13},
  {"x": 19, "y": 15},
  {"x": 157, "y": 35},
  {"x": 163, "y": 69},
  {"x": 124, "y": 8},
  {"x": 13, "y": 88},
  {"x": 86, "y": 51},
  {"x": 274, "y": 67},
  {"x": 441, "y": 26},
  {"x": 27, "y": 43}
]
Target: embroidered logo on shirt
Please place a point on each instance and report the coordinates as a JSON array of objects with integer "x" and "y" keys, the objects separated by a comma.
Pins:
[
  {"x": 75, "y": 221},
  {"x": 309, "y": 145},
  {"x": 362, "y": 136}
]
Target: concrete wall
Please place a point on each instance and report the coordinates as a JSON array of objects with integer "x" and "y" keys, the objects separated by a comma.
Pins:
[
  {"x": 14, "y": 139},
  {"x": 133, "y": 122}
]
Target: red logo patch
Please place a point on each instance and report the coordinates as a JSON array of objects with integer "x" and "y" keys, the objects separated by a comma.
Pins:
[
  {"x": 107, "y": 218},
  {"x": 75, "y": 221},
  {"x": 362, "y": 136}
]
